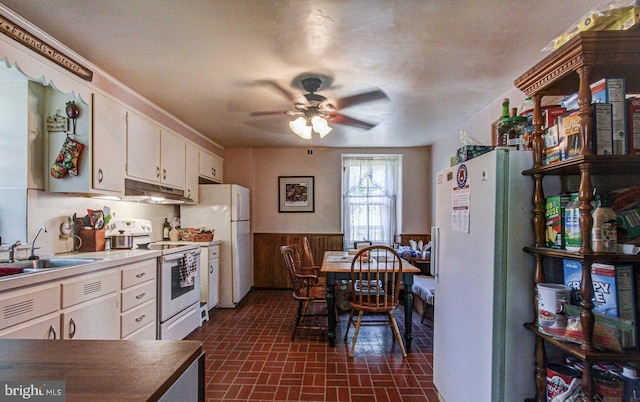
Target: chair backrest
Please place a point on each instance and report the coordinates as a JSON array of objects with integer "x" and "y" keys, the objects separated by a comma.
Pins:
[
  {"x": 301, "y": 284},
  {"x": 308, "y": 260},
  {"x": 376, "y": 274}
]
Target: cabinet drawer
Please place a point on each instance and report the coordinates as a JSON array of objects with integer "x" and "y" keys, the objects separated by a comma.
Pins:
[
  {"x": 137, "y": 295},
  {"x": 139, "y": 272},
  {"x": 146, "y": 333},
  {"x": 87, "y": 287},
  {"x": 26, "y": 304},
  {"x": 214, "y": 252},
  {"x": 137, "y": 318}
]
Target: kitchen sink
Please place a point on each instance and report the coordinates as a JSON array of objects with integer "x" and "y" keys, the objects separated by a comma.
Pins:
[{"x": 48, "y": 263}]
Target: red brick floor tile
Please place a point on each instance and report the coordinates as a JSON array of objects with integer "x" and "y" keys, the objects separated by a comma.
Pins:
[{"x": 250, "y": 357}]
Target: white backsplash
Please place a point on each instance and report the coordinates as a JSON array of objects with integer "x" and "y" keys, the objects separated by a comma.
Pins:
[{"x": 52, "y": 209}]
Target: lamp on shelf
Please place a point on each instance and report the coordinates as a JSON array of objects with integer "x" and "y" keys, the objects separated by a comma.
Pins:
[{"x": 303, "y": 125}]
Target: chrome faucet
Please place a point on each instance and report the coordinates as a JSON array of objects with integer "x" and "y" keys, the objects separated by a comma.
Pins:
[
  {"x": 12, "y": 250},
  {"x": 33, "y": 243}
]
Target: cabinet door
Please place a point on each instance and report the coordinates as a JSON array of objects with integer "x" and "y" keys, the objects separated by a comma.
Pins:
[
  {"x": 214, "y": 282},
  {"x": 172, "y": 159},
  {"x": 143, "y": 148},
  {"x": 211, "y": 166},
  {"x": 96, "y": 319},
  {"x": 192, "y": 168},
  {"x": 47, "y": 327},
  {"x": 109, "y": 144}
]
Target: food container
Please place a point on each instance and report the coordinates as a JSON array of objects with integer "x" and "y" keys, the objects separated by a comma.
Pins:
[{"x": 121, "y": 241}]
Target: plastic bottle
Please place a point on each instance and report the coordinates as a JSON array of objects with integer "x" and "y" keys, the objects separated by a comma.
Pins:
[
  {"x": 572, "y": 234},
  {"x": 604, "y": 236},
  {"x": 631, "y": 384},
  {"x": 166, "y": 227}
]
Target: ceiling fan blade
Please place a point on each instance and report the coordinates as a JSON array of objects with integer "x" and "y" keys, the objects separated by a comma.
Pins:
[
  {"x": 347, "y": 101},
  {"x": 271, "y": 113},
  {"x": 349, "y": 121},
  {"x": 291, "y": 97}
]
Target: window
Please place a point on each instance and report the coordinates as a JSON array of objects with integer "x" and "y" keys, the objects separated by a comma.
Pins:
[{"x": 370, "y": 188}]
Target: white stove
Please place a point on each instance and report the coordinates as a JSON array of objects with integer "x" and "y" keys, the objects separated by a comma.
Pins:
[{"x": 140, "y": 229}]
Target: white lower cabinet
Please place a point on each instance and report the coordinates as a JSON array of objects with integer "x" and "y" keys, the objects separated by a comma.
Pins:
[
  {"x": 138, "y": 300},
  {"x": 114, "y": 303},
  {"x": 210, "y": 275},
  {"x": 47, "y": 327},
  {"x": 90, "y": 306},
  {"x": 94, "y": 319}
]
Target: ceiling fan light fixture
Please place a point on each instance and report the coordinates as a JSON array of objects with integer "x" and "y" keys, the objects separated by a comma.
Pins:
[
  {"x": 298, "y": 125},
  {"x": 320, "y": 126},
  {"x": 306, "y": 133}
]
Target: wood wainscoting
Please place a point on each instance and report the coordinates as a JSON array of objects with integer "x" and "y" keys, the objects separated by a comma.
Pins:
[{"x": 268, "y": 269}]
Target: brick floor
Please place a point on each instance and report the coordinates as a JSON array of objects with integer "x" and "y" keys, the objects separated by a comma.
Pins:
[{"x": 250, "y": 357}]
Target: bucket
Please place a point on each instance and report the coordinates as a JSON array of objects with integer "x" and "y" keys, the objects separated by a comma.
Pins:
[
  {"x": 608, "y": 386},
  {"x": 559, "y": 378},
  {"x": 551, "y": 300}
]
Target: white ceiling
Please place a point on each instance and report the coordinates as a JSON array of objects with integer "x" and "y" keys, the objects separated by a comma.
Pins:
[{"x": 439, "y": 61}]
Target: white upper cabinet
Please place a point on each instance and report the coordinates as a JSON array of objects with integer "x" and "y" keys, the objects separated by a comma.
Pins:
[
  {"x": 192, "y": 167},
  {"x": 109, "y": 144},
  {"x": 211, "y": 166},
  {"x": 172, "y": 159},
  {"x": 143, "y": 148},
  {"x": 154, "y": 154}
]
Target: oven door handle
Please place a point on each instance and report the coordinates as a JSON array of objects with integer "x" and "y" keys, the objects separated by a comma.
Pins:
[{"x": 172, "y": 257}]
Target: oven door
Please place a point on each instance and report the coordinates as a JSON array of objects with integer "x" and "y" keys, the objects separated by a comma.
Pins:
[{"x": 174, "y": 297}]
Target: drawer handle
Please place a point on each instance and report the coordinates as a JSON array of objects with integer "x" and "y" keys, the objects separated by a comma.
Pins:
[
  {"x": 140, "y": 296},
  {"x": 211, "y": 270},
  {"x": 72, "y": 328},
  {"x": 142, "y": 317},
  {"x": 141, "y": 274},
  {"x": 52, "y": 333}
]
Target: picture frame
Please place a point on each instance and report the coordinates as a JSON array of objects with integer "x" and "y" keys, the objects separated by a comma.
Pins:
[{"x": 296, "y": 194}]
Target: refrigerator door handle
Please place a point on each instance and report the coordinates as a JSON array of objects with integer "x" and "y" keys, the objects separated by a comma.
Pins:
[
  {"x": 238, "y": 206},
  {"x": 435, "y": 243}
]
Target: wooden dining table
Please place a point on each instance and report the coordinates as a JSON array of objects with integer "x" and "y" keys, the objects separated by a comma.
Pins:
[{"x": 336, "y": 265}]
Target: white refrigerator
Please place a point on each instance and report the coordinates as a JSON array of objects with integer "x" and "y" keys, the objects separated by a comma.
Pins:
[
  {"x": 484, "y": 281},
  {"x": 226, "y": 209}
]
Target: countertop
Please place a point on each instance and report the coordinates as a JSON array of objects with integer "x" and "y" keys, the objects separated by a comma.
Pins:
[
  {"x": 99, "y": 370},
  {"x": 109, "y": 259}
]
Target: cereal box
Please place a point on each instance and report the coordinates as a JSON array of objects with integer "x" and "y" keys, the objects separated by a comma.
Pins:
[
  {"x": 569, "y": 135},
  {"x": 613, "y": 292},
  {"x": 554, "y": 217}
]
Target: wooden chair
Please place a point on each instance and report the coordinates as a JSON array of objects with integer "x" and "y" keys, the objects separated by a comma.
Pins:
[
  {"x": 311, "y": 298},
  {"x": 376, "y": 273},
  {"x": 308, "y": 262}
]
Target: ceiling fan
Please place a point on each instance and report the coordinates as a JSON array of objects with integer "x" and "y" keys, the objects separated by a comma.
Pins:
[{"x": 314, "y": 111}]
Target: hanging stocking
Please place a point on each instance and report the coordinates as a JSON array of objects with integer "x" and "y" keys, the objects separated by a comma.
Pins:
[{"x": 67, "y": 160}]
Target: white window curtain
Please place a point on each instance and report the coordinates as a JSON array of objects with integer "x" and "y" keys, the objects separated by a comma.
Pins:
[{"x": 369, "y": 194}]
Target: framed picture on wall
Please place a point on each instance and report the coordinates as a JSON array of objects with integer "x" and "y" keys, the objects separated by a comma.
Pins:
[{"x": 296, "y": 194}]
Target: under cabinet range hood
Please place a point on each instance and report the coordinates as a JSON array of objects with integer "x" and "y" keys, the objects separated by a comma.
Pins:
[{"x": 153, "y": 193}]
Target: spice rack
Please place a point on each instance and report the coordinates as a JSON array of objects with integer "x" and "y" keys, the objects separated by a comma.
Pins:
[{"x": 583, "y": 60}]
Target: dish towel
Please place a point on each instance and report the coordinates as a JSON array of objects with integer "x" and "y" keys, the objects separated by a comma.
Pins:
[{"x": 188, "y": 268}]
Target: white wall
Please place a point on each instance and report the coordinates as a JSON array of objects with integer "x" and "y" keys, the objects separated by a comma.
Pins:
[
  {"x": 52, "y": 209},
  {"x": 478, "y": 127},
  {"x": 259, "y": 168}
]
